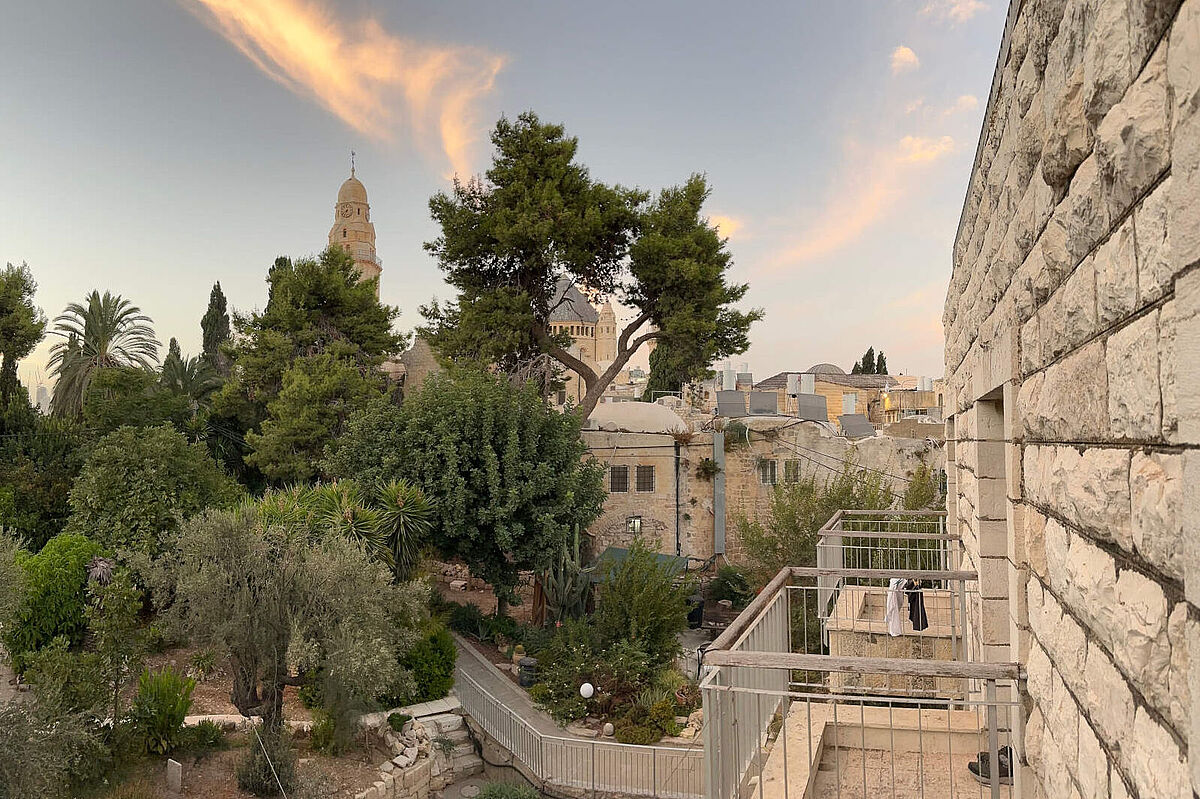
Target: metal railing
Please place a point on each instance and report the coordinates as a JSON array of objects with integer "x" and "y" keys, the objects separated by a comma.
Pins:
[
  {"x": 576, "y": 766},
  {"x": 834, "y": 744},
  {"x": 838, "y": 704}
]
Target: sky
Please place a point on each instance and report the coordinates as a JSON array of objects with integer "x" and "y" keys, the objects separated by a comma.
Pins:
[{"x": 152, "y": 147}]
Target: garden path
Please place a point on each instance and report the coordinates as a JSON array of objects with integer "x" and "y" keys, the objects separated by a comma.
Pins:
[{"x": 495, "y": 683}]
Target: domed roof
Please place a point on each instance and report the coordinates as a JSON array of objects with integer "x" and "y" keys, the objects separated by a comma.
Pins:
[
  {"x": 826, "y": 369},
  {"x": 352, "y": 191}
]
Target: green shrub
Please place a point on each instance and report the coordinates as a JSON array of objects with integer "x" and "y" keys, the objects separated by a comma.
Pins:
[
  {"x": 636, "y": 734},
  {"x": 44, "y": 753},
  {"x": 397, "y": 720},
  {"x": 202, "y": 737},
  {"x": 55, "y": 598},
  {"x": 504, "y": 790},
  {"x": 466, "y": 619},
  {"x": 202, "y": 664},
  {"x": 262, "y": 773},
  {"x": 661, "y": 717},
  {"x": 733, "y": 584},
  {"x": 163, "y": 700},
  {"x": 323, "y": 735},
  {"x": 431, "y": 662},
  {"x": 574, "y": 656},
  {"x": 309, "y": 693},
  {"x": 642, "y": 599},
  {"x": 137, "y": 484},
  {"x": 66, "y": 681}
]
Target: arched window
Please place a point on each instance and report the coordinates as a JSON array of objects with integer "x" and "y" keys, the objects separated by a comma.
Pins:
[{"x": 343, "y": 233}]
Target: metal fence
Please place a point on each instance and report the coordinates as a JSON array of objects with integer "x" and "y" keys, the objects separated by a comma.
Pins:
[
  {"x": 585, "y": 767},
  {"x": 863, "y": 746}
]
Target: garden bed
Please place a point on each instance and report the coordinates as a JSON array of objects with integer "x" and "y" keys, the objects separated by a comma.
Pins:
[{"x": 212, "y": 775}]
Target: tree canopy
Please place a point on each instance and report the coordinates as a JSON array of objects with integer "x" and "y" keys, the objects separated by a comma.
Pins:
[
  {"x": 538, "y": 216},
  {"x": 215, "y": 330},
  {"x": 22, "y": 325},
  {"x": 870, "y": 364},
  {"x": 131, "y": 396},
  {"x": 136, "y": 485},
  {"x": 286, "y": 598},
  {"x": 504, "y": 471},
  {"x": 303, "y": 363}
]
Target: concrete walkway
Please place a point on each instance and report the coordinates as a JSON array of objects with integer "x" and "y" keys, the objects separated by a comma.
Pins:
[{"x": 498, "y": 685}]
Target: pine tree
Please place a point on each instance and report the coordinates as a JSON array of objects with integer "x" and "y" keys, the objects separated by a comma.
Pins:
[
  {"x": 881, "y": 364},
  {"x": 214, "y": 326}
]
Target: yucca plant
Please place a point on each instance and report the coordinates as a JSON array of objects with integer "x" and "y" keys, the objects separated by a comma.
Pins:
[
  {"x": 341, "y": 509},
  {"x": 162, "y": 702},
  {"x": 405, "y": 517},
  {"x": 567, "y": 584}
]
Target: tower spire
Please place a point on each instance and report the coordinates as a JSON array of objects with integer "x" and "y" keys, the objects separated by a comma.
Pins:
[{"x": 351, "y": 163}]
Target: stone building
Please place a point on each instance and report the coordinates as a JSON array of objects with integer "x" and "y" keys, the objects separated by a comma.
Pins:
[
  {"x": 1072, "y": 321},
  {"x": 593, "y": 333},
  {"x": 352, "y": 227},
  {"x": 843, "y": 393},
  {"x": 662, "y": 486}
]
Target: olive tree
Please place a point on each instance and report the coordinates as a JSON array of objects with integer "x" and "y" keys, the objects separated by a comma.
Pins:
[{"x": 287, "y": 598}]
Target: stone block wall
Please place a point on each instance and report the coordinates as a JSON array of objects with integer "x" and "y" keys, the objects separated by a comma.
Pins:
[
  {"x": 814, "y": 447},
  {"x": 1072, "y": 332}
]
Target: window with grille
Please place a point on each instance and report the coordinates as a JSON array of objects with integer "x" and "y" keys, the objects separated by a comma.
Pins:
[
  {"x": 634, "y": 525},
  {"x": 766, "y": 472},
  {"x": 645, "y": 478},
  {"x": 618, "y": 479},
  {"x": 791, "y": 471}
]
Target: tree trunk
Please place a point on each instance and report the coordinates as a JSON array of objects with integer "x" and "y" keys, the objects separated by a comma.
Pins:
[{"x": 244, "y": 694}]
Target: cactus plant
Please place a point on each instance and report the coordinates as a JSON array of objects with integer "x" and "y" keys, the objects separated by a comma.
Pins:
[{"x": 567, "y": 584}]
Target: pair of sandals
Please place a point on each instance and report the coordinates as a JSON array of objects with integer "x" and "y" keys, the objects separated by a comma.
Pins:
[{"x": 981, "y": 771}]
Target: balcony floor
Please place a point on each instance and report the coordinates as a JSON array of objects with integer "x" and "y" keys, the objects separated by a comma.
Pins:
[{"x": 905, "y": 756}]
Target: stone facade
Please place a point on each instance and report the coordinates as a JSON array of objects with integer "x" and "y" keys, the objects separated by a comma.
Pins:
[
  {"x": 676, "y": 512},
  {"x": 1071, "y": 432},
  {"x": 353, "y": 230}
]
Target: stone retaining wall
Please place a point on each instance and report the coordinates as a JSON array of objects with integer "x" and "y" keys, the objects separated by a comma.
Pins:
[{"x": 1072, "y": 327}]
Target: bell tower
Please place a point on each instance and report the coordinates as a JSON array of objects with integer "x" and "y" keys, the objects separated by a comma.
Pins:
[{"x": 352, "y": 229}]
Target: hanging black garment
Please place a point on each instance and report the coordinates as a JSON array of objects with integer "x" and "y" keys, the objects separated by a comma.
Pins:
[{"x": 916, "y": 607}]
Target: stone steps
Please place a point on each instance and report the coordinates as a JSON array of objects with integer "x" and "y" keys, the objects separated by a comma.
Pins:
[{"x": 467, "y": 765}]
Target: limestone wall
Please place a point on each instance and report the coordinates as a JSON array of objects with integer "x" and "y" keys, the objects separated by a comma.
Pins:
[{"x": 1072, "y": 334}]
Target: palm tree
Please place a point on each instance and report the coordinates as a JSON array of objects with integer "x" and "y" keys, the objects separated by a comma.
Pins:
[
  {"x": 104, "y": 332},
  {"x": 405, "y": 519},
  {"x": 194, "y": 378}
]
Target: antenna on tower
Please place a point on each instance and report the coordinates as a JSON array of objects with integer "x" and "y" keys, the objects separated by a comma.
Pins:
[{"x": 351, "y": 163}]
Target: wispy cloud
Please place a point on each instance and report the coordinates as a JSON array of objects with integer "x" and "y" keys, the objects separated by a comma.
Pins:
[
  {"x": 904, "y": 60},
  {"x": 953, "y": 10},
  {"x": 915, "y": 149},
  {"x": 726, "y": 225},
  {"x": 915, "y": 106},
  {"x": 373, "y": 80},
  {"x": 964, "y": 103},
  {"x": 867, "y": 191}
]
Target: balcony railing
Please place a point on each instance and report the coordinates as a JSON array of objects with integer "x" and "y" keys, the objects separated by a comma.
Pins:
[{"x": 810, "y": 694}]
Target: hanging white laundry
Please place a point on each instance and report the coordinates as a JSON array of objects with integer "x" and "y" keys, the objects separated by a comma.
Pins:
[{"x": 892, "y": 614}]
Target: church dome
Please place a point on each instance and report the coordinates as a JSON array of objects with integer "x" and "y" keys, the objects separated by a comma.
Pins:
[
  {"x": 826, "y": 369},
  {"x": 352, "y": 191}
]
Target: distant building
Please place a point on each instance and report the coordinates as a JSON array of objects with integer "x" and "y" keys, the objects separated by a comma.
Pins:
[
  {"x": 671, "y": 482},
  {"x": 843, "y": 393}
]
